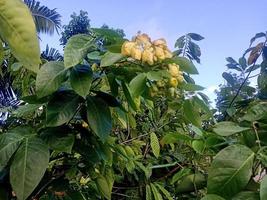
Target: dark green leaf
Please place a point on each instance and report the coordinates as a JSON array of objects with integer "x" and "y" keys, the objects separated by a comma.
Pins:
[
  {"x": 109, "y": 99},
  {"x": 61, "y": 108},
  {"x": 247, "y": 195},
  {"x": 138, "y": 85},
  {"x": 212, "y": 197},
  {"x": 191, "y": 113},
  {"x": 99, "y": 117},
  {"x": 28, "y": 167},
  {"x": 81, "y": 78},
  {"x": 58, "y": 140}
]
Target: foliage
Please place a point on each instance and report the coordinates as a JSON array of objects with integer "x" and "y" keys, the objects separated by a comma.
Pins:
[
  {"x": 46, "y": 20},
  {"x": 127, "y": 121},
  {"x": 79, "y": 24}
]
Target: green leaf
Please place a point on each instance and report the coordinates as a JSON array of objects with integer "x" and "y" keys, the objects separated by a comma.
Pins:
[
  {"x": 230, "y": 171},
  {"x": 95, "y": 55},
  {"x": 171, "y": 138},
  {"x": 247, "y": 195},
  {"x": 28, "y": 167},
  {"x": 228, "y": 128},
  {"x": 9, "y": 143},
  {"x": 184, "y": 64},
  {"x": 198, "y": 146},
  {"x": 49, "y": 78},
  {"x": 154, "y": 143},
  {"x": 61, "y": 108},
  {"x": 138, "y": 85},
  {"x": 212, "y": 197},
  {"x": 129, "y": 96},
  {"x": 257, "y": 112},
  {"x": 109, "y": 99},
  {"x": 148, "y": 193},
  {"x": 26, "y": 110},
  {"x": 58, "y": 140},
  {"x": 20, "y": 34},
  {"x": 156, "y": 194},
  {"x": 77, "y": 48},
  {"x": 103, "y": 186},
  {"x": 190, "y": 183},
  {"x": 263, "y": 188},
  {"x": 182, "y": 173},
  {"x": 81, "y": 78},
  {"x": 167, "y": 195},
  {"x": 2, "y": 53},
  {"x": 16, "y": 66},
  {"x": 158, "y": 75},
  {"x": 109, "y": 59},
  {"x": 191, "y": 113},
  {"x": 191, "y": 87},
  {"x": 99, "y": 117}
]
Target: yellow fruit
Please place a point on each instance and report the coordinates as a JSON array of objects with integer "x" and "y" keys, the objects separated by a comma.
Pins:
[
  {"x": 173, "y": 82},
  {"x": 173, "y": 70},
  {"x": 148, "y": 57},
  {"x": 159, "y": 52},
  {"x": 136, "y": 53},
  {"x": 127, "y": 48}
]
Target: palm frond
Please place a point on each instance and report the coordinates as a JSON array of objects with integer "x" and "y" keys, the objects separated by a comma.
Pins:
[
  {"x": 46, "y": 20},
  {"x": 51, "y": 54}
]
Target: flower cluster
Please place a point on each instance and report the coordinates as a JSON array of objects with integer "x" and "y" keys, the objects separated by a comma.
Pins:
[
  {"x": 142, "y": 48},
  {"x": 176, "y": 75}
]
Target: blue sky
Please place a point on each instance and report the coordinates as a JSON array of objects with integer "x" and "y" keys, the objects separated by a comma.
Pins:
[{"x": 227, "y": 25}]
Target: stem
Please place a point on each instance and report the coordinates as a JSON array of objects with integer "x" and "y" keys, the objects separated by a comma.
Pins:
[{"x": 243, "y": 83}]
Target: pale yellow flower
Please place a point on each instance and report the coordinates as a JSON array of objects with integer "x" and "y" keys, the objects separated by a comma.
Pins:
[
  {"x": 148, "y": 57},
  {"x": 127, "y": 48},
  {"x": 173, "y": 70},
  {"x": 159, "y": 52},
  {"x": 161, "y": 41},
  {"x": 136, "y": 53},
  {"x": 168, "y": 53}
]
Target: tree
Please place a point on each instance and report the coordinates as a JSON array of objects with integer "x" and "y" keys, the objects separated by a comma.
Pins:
[
  {"x": 119, "y": 31},
  {"x": 79, "y": 24},
  {"x": 130, "y": 127},
  {"x": 46, "y": 20}
]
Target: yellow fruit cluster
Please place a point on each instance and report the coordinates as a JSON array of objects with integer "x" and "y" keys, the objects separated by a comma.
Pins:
[
  {"x": 176, "y": 75},
  {"x": 142, "y": 48}
]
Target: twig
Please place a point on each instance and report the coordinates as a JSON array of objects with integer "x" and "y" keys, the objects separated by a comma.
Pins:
[
  {"x": 245, "y": 80},
  {"x": 130, "y": 140}
]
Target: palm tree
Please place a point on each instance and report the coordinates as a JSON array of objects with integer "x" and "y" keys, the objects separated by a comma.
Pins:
[{"x": 47, "y": 21}]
